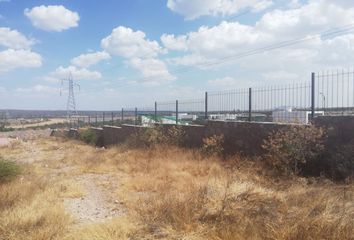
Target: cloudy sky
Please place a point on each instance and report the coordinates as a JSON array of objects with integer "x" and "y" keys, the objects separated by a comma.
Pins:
[{"x": 133, "y": 52}]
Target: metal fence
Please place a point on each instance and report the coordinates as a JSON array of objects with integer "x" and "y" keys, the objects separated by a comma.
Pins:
[{"x": 326, "y": 93}]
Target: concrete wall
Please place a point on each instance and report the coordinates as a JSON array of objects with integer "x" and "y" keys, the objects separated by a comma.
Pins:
[
  {"x": 193, "y": 134},
  {"x": 340, "y": 130},
  {"x": 112, "y": 135},
  {"x": 243, "y": 137},
  {"x": 240, "y": 137},
  {"x": 99, "y": 136},
  {"x": 73, "y": 133},
  {"x": 116, "y": 135}
]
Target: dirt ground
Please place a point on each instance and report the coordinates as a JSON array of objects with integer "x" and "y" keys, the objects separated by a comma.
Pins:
[{"x": 73, "y": 191}]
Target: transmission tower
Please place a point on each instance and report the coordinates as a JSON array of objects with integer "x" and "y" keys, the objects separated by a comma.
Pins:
[{"x": 71, "y": 111}]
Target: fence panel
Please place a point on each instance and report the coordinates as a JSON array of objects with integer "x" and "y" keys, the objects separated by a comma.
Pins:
[
  {"x": 334, "y": 92},
  {"x": 289, "y": 103},
  {"x": 166, "y": 112},
  {"x": 191, "y": 111},
  {"x": 230, "y": 105}
]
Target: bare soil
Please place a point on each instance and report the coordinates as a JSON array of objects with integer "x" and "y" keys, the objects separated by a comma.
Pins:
[{"x": 96, "y": 205}]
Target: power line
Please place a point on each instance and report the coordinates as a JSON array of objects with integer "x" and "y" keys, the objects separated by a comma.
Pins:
[{"x": 271, "y": 47}]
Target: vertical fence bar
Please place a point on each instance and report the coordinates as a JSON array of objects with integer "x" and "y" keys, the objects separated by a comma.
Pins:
[
  {"x": 89, "y": 120},
  {"x": 112, "y": 119},
  {"x": 96, "y": 120},
  {"x": 250, "y": 104},
  {"x": 103, "y": 118},
  {"x": 78, "y": 122},
  {"x": 136, "y": 116},
  {"x": 122, "y": 116},
  {"x": 155, "y": 113},
  {"x": 176, "y": 112},
  {"x": 206, "y": 105},
  {"x": 313, "y": 78}
]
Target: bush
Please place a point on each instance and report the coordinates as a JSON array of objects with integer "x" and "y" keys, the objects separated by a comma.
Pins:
[
  {"x": 213, "y": 145},
  {"x": 88, "y": 136},
  {"x": 295, "y": 150},
  {"x": 8, "y": 170},
  {"x": 143, "y": 138},
  {"x": 148, "y": 137}
]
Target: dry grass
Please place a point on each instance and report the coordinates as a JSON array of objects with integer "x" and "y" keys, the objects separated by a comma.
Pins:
[{"x": 171, "y": 193}]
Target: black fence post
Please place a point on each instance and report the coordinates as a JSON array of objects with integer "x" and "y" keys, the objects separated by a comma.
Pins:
[
  {"x": 112, "y": 119},
  {"x": 89, "y": 120},
  {"x": 250, "y": 105},
  {"x": 122, "y": 116},
  {"x": 78, "y": 122},
  {"x": 155, "y": 114},
  {"x": 313, "y": 77},
  {"x": 103, "y": 118},
  {"x": 176, "y": 112},
  {"x": 136, "y": 116},
  {"x": 96, "y": 121},
  {"x": 206, "y": 105}
]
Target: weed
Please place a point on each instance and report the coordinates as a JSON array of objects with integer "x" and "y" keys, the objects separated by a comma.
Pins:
[
  {"x": 88, "y": 136},
  {"x": 213, "y": 145},
  {"x": 8, "y": 170},
  {"x": 292, "y": 150}
]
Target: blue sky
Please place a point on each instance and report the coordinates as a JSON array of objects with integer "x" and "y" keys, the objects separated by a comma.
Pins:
[{"x": 131, "y": 53}]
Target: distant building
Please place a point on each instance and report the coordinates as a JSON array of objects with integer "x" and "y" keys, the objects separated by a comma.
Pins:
[
  {"x": 183, "y": 119},
  {"x": 294, "y": 116}
]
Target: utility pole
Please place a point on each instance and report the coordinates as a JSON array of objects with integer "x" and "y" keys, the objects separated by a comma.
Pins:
[{"x": 71, "y": 104}]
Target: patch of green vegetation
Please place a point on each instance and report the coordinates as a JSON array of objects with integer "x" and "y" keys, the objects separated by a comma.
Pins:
[
  {"x": 8, "y": 170},
  {"x": 88, "y": 136}
]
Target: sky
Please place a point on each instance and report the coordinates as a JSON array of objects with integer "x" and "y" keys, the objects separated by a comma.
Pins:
[{"x": 130, "y": 53}]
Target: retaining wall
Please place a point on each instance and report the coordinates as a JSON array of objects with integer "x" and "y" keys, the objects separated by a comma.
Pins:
[
  {"x": 243, "y": 137},
  {"x": 100, "y": 139},
  {"x": 340, "y": 130},
  {"x": 193, "y": 134},
  {"x": 239, "y": 137},
  {"x": 116, "y": 135},
  {"x": 73, "y": 133}
]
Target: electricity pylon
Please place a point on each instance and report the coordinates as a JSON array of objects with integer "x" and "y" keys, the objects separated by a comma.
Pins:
[{"x": 71, "y": 111}]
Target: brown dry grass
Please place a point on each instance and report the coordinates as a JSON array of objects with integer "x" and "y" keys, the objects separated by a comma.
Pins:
[{"x": 171, "y": 193}]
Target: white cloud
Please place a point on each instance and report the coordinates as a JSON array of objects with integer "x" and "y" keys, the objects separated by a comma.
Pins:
[
  {"x": 52, "y": 18},
  {"x": 223, "y": 82},
  {"x": 11, "y": 59},
  {"x": 193, "y": 9},
  {"x": 89, "y": 59},
  {"x": 77, "y": 73},
  {"x": 315, "y": 16},
  {"x": 188, "y": 60},
  {"x": 280, "y": 75},
  {"x": 174, "y": 43},
  {"x": 223, "y": 40},
  {"x": 14, "y": 39},
  {"x": 228, "y": 39},
  {"x": 154, "y": 71},
  {"x": 140, "y": 53},
  {"x": 127, "y": 43},
  {"x": 38, "y": 89}
]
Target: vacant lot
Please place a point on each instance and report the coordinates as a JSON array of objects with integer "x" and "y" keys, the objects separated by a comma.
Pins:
[{"x": 68, "y": 190}]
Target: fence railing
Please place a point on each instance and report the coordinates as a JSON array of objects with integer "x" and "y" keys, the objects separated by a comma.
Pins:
[{"x": 326, "y": 93}]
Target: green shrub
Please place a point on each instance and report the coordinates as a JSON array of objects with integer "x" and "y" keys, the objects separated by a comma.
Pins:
[
  {"x": 8, "y": 170},
  {"x": 88, "y": 136},
  {"x": 295, "y": 149}
]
